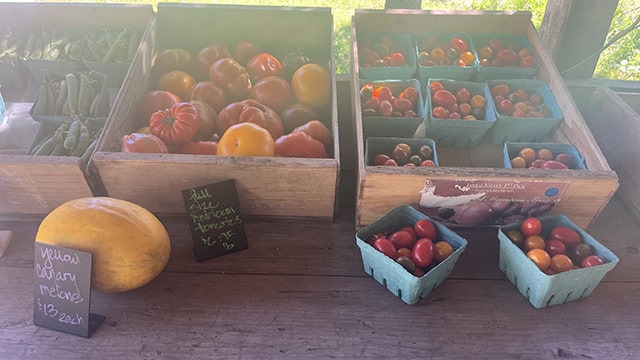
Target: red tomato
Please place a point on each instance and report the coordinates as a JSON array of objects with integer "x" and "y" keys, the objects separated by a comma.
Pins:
[
  {"x": 262, "y": 65},
  {"x": 273, "y": 91},
  {"x": 411, "y": 231},
  {"x": 143, "y": 143},
  {"x": 210, "y": 54},
  {"x": 296, "y": 115},
  {"x": 410, "y": 93},
  {"x": 208, "y": 118},
  {"x": 443, "y": 97},
  {"x": 245, "y": 50},
  {"x": 232, "y": 77},
  {"x": 318, "y": 131},
  {"x": 401, "y": 239},
  {"x": 199, "y": 148},
  {"x": 153, "y": 101},
  {"x": 591, "y": 260},
  {"x": 386, "y": 247},
  {"x": 422, "y": 252},
  {"x": 176, "y": 125},
  {"x": 567, "y": 235},
  {"x": 531, "y": 226},
  {"x": 250, "y": 110},
  {"x": 172, "y": 59},
  {"x": 459, "y": 44},
  {"x": 425, "y": 229},
  {"x": 383, "y": 93},
  {"x": 555, "y": 246},
  {"x": 463, "y": 95},
  {"x": 211, "y": 93},
  {"x": 299, "y": 144}
]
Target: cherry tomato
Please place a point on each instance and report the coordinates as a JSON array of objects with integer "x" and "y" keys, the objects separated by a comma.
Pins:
[
  {"x": 444, "y": 98},
  {"x": 386, "y": 247},
  {"x": 531, "y": 226},
  {"x": 404, "y": 252},
  {"x": 442, "y": 250},
  {"x": 567, "y": 235},
  {"x": 591, "y": 260},
  {"x": 246, "y": 139},
  {"x": 272, "y": 91},
  {"x": 210, "y": 54},
  {"x": 232, "y": 77},
  {"x": 516, "y": 237},
  {"x": 299, "y": 144},
  {"x": 199, "y": 148},
  {"x": 317, "y": 130},
  {"x": 422, "y": 252},
  {"x": 555, "y": 246},
  {"x": 458, "y": 44},
  {"x": 540, "y": 257},
  {"x": 178, "y": 82},
  {"x": 560, "y": 263},
  {"x": 533, "y": 242},
  {"x": 500, "y": 89},
  {"x": 262, "y": 65},
  {"x": 211, "y": 93},
  {"x": 401, "y": 239},
  {"x": 153, "y": 101},
  {"x": 435, "y": 86},
  {"x": 410, "y": 93},
  {"x": 580, "y": 252},
  {"x": 463, "y": 95},
  {"x": 208, "y": 118},
  {"x": 440, "y": 112},
  {"x": 425, "y": 229},
  {"x": 250, "y": 110},
  {"x": 245, "y": 50},
  {"x": 412, "y": 232},
  {"x": 176, "y": 125},
  {"x": 311, "y": 85},
  {"x": 172, "y": 59},
  {"x": 383, "y": 92},
  {"x": 478, "y": 101},
  {"x": 143, "y": 143}
]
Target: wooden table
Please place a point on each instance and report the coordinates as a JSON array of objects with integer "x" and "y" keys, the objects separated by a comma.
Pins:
[{"x": 300, "y": 292}]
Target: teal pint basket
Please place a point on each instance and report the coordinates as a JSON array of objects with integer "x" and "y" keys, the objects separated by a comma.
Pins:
[
  {"x": 390, "y": 274},
  {"x": 544, "y": 290}
]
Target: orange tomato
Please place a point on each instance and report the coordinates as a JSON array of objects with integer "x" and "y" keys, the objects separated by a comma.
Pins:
[
  {"x": 246, "y": 139},
  {"x": 539, "y": 257},
  {"x": 534, "y": 242},
  {"x": 442, "y": 250},
  {"x": 178, "y": 82},
  {"x": 311, "y": 85}
]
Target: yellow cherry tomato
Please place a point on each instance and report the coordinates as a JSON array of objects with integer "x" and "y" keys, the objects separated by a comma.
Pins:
[{"x": 246, "y": 139}]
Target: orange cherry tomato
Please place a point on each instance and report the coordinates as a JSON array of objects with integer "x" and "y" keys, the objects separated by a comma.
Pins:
[
  {"x": 534, "y": 242},
  {"x": 539, "y": 257},
  {"x": 560, "y": 263},
  {"x": 442, "y": 250},
  {"x": 178, "y": 82},
  {"x": 246, "y": 139}
]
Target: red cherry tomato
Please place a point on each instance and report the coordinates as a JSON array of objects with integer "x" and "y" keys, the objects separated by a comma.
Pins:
[
  {"x": 531, "y": 226},
  {"x": 411, "y": 231},
  {"x": 422, "y": 252},
  {"x": 444, "y": 98},
  {"x": 386, "y": 247},
  {"x": 567, "y": 235},
  {"x": 591, "y": 260},
  {"x": 555, "y": 246},
  {"x": 425, "y": 229},
  {"x": 401, "y": 239}
]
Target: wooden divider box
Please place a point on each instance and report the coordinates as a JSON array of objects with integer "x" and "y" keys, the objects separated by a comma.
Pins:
[
  {"x": 579, "y": 194},
  {"x": 268, "y": 187},
  {"x": 35, "y": 185}
]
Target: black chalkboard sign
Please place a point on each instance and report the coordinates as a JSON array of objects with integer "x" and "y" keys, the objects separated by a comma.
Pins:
[
  {"x": 62, "y": 290},
  {"x": 214, "y": 218}
]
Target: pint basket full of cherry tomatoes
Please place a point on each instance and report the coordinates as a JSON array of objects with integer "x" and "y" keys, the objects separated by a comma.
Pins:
[
  {"x": 445, "y": 56},
  {"x": 551, "y": 260},
  {"x": 408, "y": 253},
  {"x": 504, "y": 56},
  {"x": 386, "y": 56},
  {"x": 553, "y": 156}
]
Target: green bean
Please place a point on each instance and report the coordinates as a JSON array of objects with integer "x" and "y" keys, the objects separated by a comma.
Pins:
[
  {"x": 72, "y": 92},
  {"x": 62, "y": 97},
  {"x": 71, "y": 140},
  {"x": 84, "y": 137},
  {"x": 84, "y": 95}
]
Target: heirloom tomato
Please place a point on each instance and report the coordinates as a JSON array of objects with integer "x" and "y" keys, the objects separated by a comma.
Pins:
[
  {"x": 172, "y": 59},
  {"x": 211, "y": 93},
  {"x": 210, "y": 54},
  {"x": 153, "y": 101},
  {"x": 178, "y": 82},
  {"x": 245, "y": 50},
  {"x": 273, "y": 91},
  {"x": 317, "y": 130},
  {"x": 250, "y": 110},
  {"x": 262, "y": 65},
  {"x": 246, "y": 139},
  {"x": 311, "y": 85},
  {"x": 296, "y": 115},
  {"x": 176, "y": 125},
  {"x": 232, "y": 77},
  {"x": 143, "y": 143},
  {"x": 199, "y": 148},
  {"x": 299, "y": 144},
  {"x": 208, "y": 118},
  {"x": 292, "y": 61}
]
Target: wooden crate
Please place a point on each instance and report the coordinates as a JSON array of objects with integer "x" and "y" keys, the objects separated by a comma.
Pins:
[
  {"x": 381, "y": 189},
  {"x": 272, "y": 187},
  {"x": 616, "y": 126},
  {"x": 35, "y": 185}
]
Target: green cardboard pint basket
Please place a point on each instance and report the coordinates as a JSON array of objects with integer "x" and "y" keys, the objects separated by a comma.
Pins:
[
  {"x": 390, "y": 274},
  {"x": 544, "y": 290},
  {"x": 385, "y": 145},
  {"x": 455, "y": 72},
  {"x": 511, "y": 150}
]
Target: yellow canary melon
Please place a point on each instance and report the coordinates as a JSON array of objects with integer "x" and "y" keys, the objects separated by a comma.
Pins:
[{"x": 129, "y": 245}]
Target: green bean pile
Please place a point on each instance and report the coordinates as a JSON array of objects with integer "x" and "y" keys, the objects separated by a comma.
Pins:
[
  {"x": 73, "y": 137},
  {"x": 74, "y": 94}
]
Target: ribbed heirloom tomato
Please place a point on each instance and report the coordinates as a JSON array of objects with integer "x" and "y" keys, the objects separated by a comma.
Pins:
[
  {"x": 246, "y": 139},
  {"x": 176, "y": 125}
]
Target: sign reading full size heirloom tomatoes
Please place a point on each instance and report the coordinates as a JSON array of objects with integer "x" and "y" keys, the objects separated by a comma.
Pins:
[
  {"x": 62, "y": 290},
  {"x": 473, "y": 202},
  {"x": 214, "y": 217}
]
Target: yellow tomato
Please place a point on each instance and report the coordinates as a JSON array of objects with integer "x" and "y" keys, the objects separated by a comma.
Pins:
[
  {"x": 311, "y": 85},
  {"x": 178, "y": 82},
  {"x": 246, "y": 139}
]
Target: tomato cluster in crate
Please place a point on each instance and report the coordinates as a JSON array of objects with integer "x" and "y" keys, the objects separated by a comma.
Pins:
[
  {"x": 403, "y": 154},
  {"x": 380, "y": 100},
  {"x": 518, "y": 102},
  {"x": 542, "y": 156},
  {"x": 463, "y": 104},
  {"x": 386, "y": 56},
  {"x": 504, "y": 56},
  {"x": 551, "y": 260},
  {"x": 409, "y": 253},
  {"x": 436, "y": 49},
  {"x": 234, "y": 101}
]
